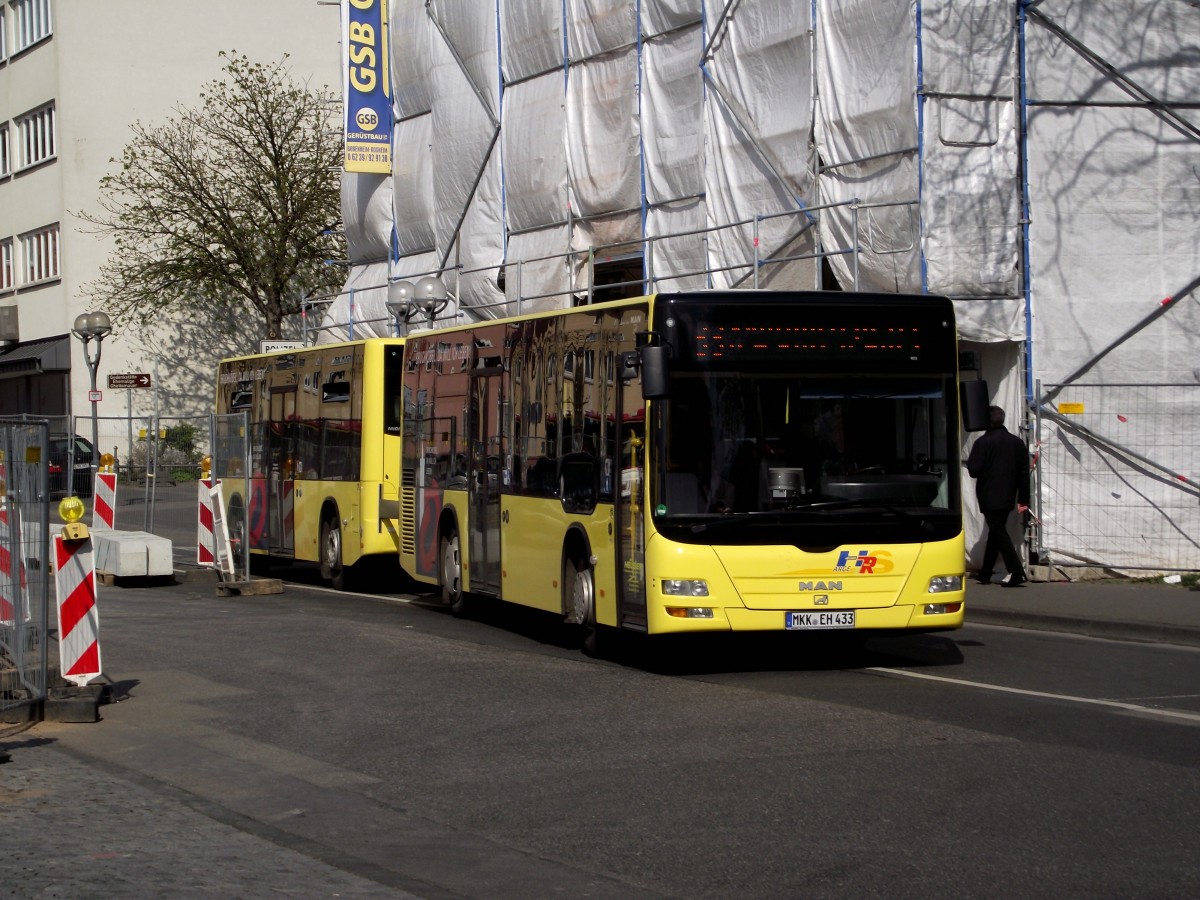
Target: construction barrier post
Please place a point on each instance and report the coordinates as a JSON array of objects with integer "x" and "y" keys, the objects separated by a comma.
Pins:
[
  {"x": 14, "y": 589},
  {"x": 206, "y": 545},
  {"x": 104, "y": 501},
  {"x": 75, "y": 581}
]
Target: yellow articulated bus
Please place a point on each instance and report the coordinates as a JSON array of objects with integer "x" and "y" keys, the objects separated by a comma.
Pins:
[
  {"x": 693, "y": 462},
  {"x": 322, "y": 461}
]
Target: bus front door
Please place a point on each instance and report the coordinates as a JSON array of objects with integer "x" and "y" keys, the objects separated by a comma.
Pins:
[
  {"x": 280, "y": 518},
  {"x": 486, "y": 406}
]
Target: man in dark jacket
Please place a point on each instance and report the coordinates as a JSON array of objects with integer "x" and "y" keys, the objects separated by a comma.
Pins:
[{"x": 999, "y": 463}]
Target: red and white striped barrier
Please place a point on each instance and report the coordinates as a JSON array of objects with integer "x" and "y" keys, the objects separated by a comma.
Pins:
[
  {"x": 104, "y": 501},
  {"x": 78, "y": 617},
  {"x": 14, "y": 591},
  {"x": 206, "y": 545},
  {"x": 212, "y": 533}
]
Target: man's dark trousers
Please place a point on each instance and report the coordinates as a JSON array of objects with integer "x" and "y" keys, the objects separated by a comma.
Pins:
[{"x": 1000, "y": 544}]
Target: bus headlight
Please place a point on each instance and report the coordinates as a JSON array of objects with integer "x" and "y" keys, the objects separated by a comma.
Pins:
[
  {"x": 940, "y": 584},
  {"x": 685, "y": 587},
  {"x": 690, "y": 612}
]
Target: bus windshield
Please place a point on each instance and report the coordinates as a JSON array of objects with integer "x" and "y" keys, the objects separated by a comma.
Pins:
[{"x": 759, "y": 434}]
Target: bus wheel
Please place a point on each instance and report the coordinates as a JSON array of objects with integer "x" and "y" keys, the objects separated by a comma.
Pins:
[
  {"x": 453, "y": 594},
  {"x": 581, "y": 601},
  {"x": 332, "y": 569}
]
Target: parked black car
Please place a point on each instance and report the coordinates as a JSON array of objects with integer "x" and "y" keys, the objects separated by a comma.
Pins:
[{"x": 60, "y": 462}]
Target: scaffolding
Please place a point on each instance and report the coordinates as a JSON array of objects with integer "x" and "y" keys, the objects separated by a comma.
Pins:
[{"x": 1024, "y": 158}]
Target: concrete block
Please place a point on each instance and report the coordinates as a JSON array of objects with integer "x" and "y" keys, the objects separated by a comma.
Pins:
[
  {"x": 81, "y": 708},
  {"x": 128, "y": 554}
]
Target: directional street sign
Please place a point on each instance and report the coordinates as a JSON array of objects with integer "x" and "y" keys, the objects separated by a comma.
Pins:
[{"x": 129, "y": 380}]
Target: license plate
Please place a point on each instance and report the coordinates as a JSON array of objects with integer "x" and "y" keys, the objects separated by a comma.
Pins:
[{"x": 824, "y": 619}]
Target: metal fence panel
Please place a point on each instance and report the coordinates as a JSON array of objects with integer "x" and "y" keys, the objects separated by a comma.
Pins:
[
  {"x": 25, "y": 567},
  {"x": 231, "y": 465},
  {"x": 1117, "y": 470},
  {"x": 158, "y": 462}
]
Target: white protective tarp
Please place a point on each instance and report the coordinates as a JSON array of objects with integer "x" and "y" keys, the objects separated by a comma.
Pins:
[
  {"x": 758, "y": 121},
  {"x": 1115, "y": 205},
  {"x": 466, "y": 157},
  {"x": 538, "y": 141},
  {"x": 360, "y": 310},
  {"x": 969, "y": 165},
  {"x": 867, "y": 139}
]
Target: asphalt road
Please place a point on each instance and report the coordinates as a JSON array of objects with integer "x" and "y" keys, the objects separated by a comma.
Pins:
[{"x": 410, "y": 752}]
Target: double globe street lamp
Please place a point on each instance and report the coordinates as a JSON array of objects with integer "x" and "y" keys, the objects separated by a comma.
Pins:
[
  {"x": 405, "y": 299},
  {"x": 93, "y": 326}
]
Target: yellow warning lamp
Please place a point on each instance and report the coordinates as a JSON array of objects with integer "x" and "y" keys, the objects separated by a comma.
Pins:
[
  {"x": 106, "y": 461},
  {"x": 71, "y": 510},
  {"x": 205, "y": 467}
]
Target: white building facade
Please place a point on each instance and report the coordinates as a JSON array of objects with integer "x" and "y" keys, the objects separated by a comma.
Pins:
[{"x": 74, "y": 76}]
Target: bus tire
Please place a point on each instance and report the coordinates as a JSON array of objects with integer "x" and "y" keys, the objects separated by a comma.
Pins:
[
  {"x": 450, "y": 574},
  {"x": 332, "y": 569},
  {"x": 579, "y": 588}
]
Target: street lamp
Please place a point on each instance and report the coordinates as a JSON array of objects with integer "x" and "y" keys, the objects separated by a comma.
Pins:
[
  {"x": 88, "y": 327},
  {"x": 428, "y": 296},
  {"x": 399, "y": 298},
  {"x": 431, "y": 296}
]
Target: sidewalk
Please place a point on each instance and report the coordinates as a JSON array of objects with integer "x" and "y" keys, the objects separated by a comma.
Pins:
[{"x": 1135, "y": 611}]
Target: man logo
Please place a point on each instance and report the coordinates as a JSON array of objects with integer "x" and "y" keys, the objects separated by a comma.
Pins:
[
  {"x": 820, "y": 585},
  {"x": 367, "y": 119}
]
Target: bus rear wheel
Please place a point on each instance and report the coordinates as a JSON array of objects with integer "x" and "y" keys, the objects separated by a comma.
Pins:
[
  {"x": 450, "y": 564},
  {"x": 332, "y": 569}
]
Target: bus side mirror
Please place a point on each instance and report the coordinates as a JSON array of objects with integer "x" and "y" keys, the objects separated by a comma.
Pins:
[
  {"x": 651, "y": 362},
  {"x": 974, "y": 405},
  {"x": 654, "y": 372}
]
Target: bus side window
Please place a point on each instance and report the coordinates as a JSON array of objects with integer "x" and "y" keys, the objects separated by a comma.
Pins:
[
  {"x": 540, "y": 477},
  {"x": 579, "y": 479}
]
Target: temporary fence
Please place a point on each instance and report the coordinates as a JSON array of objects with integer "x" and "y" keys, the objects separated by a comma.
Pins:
[
  {"x": 158, "y": 464},
  {"x": 1109, "y": 453},
  {"x": 230, "y": 476},
  {"x": 25, "y": 567}
]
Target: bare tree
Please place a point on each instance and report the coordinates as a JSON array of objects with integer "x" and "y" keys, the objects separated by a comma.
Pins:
[{"x": 231, "y": 207}]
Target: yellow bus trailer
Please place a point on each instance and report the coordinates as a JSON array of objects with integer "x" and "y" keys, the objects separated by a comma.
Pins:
[
  {"x": 322, "y": 457},
  {"x": 708, "y": 461}
]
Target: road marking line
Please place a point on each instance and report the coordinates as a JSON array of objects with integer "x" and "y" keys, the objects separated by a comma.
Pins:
[
  {"x": 1114, "y": 704},
  {"x": 384, "y": 597}
]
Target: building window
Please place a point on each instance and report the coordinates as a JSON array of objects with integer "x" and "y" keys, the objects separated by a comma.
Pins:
[
  {"x": 39, "y": 254},
  {"x": 32, "y": 23},
  {"x": 3, "y": 32},
  {"x": 36, "y": 136},
  {"x": 6, "y": 265},
  {"x": 5, "y": 159}
]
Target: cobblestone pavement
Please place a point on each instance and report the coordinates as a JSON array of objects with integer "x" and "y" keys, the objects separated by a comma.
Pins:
[{"x": 70, "y": 829}]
